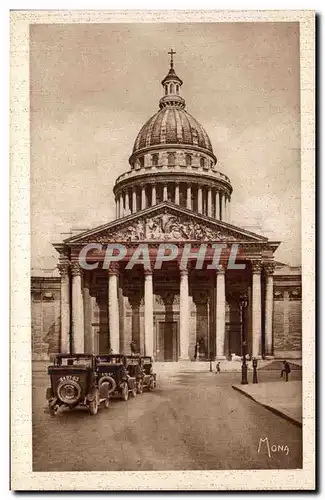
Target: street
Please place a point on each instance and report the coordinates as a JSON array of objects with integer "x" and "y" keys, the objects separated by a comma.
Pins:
[{"x": 192, "y": 421}]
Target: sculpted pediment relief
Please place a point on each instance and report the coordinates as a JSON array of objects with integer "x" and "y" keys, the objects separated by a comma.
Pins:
[{"x": 165, "y": 226}]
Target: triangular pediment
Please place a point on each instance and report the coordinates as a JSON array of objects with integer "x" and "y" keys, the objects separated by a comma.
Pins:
[{"x": 165, "y": 222}]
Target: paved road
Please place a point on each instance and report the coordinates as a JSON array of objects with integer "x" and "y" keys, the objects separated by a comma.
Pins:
[{"x": 192, "y": 421}]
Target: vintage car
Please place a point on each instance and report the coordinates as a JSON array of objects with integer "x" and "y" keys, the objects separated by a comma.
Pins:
[
  {"x": 113, "y": 376},
  {"x": 135, "y": 369},
  {"x": 74, "y": 382},
  {"x": 149, "y": 378}
]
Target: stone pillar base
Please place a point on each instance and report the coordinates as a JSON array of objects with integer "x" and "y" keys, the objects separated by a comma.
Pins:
[
  {"x": 220, "y": 358},
  {"x": 184, "y": 359},
  {"x": 268, "y": 357}
]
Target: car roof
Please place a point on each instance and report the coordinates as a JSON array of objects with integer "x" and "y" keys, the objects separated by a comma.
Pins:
[{"x": 83, "y": 355}]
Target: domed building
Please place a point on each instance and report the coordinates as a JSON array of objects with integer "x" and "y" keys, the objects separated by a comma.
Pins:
[
  {"x": 171, "y": 277},
  {"x": 173, "y": 160}
]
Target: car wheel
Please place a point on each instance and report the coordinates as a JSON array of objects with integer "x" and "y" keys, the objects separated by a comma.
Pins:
[
  {"x": 93, "y": 405},
  {"x": 152, "y": 384},
  {"x": 52, "y": 410},
  {"x": 125, "y": 392},
  {"x": 134, "y": 393},
  {"x": 140, "y": 387},
  {"x": 106, "y": 403}
]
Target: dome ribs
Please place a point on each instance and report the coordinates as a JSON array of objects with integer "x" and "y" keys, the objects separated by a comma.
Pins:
[
  {"x": 187, "y": 131},
  {"x": 164, "y": 124},
  {"x": 179, "y": 128},
  {"x": 156, "y": 129},
  {"x": 171, "y": 127}
]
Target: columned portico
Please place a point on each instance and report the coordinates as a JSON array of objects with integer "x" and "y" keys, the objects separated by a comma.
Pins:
[
  {"x": 148, "y": 313},
  {"x": 256, "y": 309},
  {"x": 77, "y": 310},
  {"x": 184, "y": 315},
  {"x": 113, "y": 309},
  {"x": 220, "y": 313}
]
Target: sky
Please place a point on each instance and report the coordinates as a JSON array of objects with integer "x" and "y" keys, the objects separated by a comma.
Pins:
[{"x": 93, "y": 86}]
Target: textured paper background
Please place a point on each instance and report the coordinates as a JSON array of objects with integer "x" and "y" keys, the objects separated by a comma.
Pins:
[{"x": 21, "y": 436}]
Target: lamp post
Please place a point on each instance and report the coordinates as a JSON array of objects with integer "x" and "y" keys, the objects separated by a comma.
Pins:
[
  {"x": 243, "y": 303},
  {"x": 209, "y": 348}
]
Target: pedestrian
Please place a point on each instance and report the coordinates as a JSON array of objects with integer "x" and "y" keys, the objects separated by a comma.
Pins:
[
  {"x": 196, "y": 350},
  {"x": 255, "y": 381},
  {"x": 285, "y": 370},
  {"x": 218, "y": 368}
]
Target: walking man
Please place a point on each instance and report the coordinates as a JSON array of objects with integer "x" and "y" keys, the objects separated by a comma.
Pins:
[{"x": 285, "y": 370}]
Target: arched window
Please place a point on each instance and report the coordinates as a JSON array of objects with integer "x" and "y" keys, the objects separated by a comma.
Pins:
[
  {"x": 171, "y": 159},
  {"x": 177, "y": 89},
  {"x": 154, "y": 160},
  {"x": 166, "y": 89},
  {"x": 141, "y": 161},
  {"x": 202, "y": 162},
  {"x": 171, "y": 88},
  {"x": 188, "y": 158}
]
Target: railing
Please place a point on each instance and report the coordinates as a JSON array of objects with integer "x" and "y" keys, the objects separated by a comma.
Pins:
[{"x": 211, "y": 172}]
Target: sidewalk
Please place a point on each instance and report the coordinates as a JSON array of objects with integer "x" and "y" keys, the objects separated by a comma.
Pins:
[{"x": 283, "y": 398}]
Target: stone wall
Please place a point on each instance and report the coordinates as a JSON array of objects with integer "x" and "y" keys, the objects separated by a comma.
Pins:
[
  {"x": 287, "y": 318},
  {"x": 45, "y": 315}
]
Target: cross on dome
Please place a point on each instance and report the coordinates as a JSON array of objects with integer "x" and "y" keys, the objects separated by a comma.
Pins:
[{"x": 171, "y": 53}]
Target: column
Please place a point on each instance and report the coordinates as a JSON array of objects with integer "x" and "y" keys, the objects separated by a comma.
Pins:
[
  {"x": 121, "y": 210},
  {"x": 176, "y": 193},
  {"x": 199, "y": 200},
  {"x": 113, "y": 309},
  {"x": 77, "y": 310},
  {"x": 184, "y": 315},
  {"x": 220, "y": 313},
  {"x": 256, "y": 309},
  {"x": 134, "y": 199},
  {"x": 116, "y": 209},
  {"x": 209, "y": 202},
  {"x": 165, "y": 193},
  {"x": 153, "y": 195},
  {"x": 225, "y": 208},
  {"x": 143, "y": 197},
  {"x": 88, "y": 341},
  {"x": 217, "y": 208},
  {"x": 269, "y": 269},
  {"x": 148, "y": 313},
  {"x": 229, "y": 210},
  {"x": 127, "y": 203},
  {"x": 189, "y": 197},
  {"x": 65, "y": 307}
]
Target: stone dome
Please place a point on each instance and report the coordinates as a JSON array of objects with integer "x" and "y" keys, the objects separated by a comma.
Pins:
[
  {"x": 172, "y": 125},
  {"x": 173, "y": 160}
]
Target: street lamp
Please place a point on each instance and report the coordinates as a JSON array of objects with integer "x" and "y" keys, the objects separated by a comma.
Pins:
[
  {"x": 209, "y": 349},
  {"x": 243, "y": 303}
]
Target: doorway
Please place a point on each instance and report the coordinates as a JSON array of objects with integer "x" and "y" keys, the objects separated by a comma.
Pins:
[{"x": 167, "y": 341}]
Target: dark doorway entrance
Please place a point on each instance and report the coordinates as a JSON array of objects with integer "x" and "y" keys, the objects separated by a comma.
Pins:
[{"x": 168, "y": 340}]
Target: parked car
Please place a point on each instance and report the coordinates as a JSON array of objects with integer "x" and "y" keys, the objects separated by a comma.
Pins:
[
  {"x": 74, "y": 382},
  {"x": 135, "y": 369},
  {"x": 113, "y": 376},
  {"x": 150, "y": 378}
]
